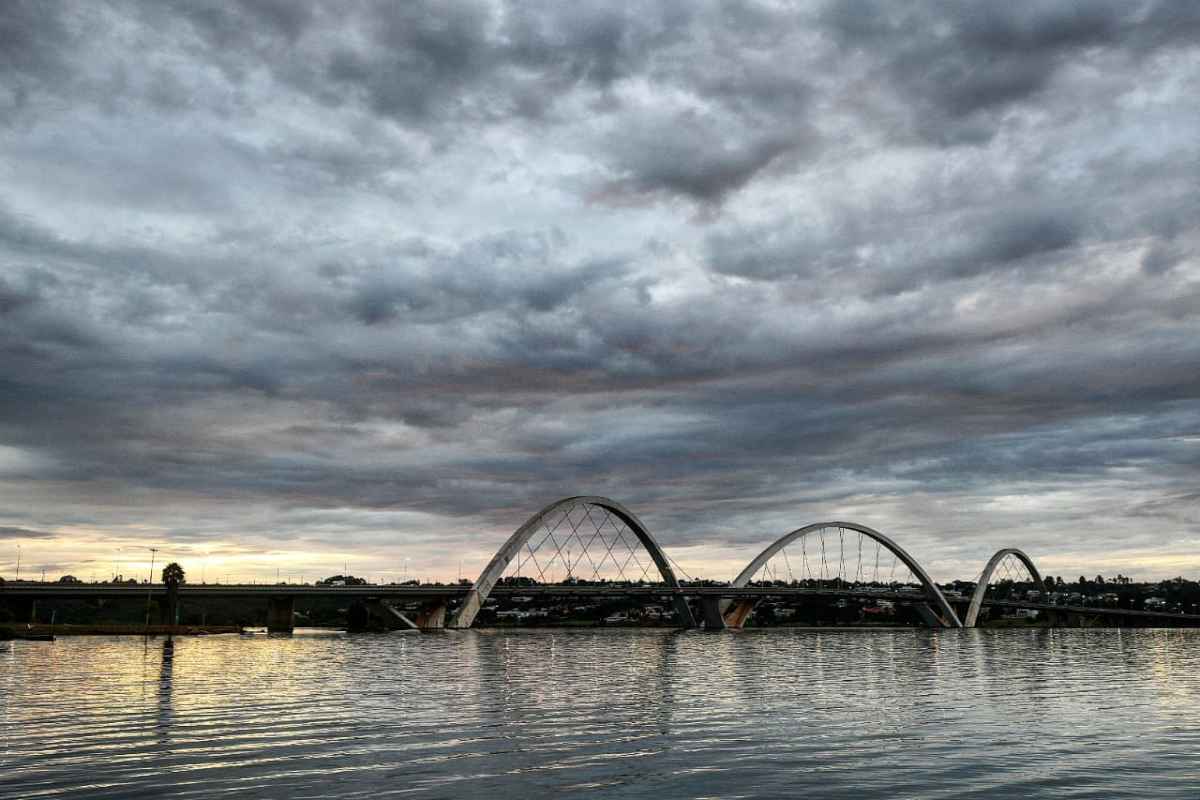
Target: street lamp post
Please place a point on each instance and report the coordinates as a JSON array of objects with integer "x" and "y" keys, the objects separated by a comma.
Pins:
[
  {"x": 150, "y": 585},
  {"x": 18, "y": 563}
]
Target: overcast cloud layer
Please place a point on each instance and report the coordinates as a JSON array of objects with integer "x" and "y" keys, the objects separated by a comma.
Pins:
[{"x": 297, "y": 285}]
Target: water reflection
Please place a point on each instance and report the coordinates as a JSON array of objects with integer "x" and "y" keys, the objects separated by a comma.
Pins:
[
  {"x": 645, "y": 713},
  {"x": 165, "y": 711}
]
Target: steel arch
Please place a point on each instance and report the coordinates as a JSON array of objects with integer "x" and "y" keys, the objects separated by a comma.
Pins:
[
  {"x": 735, "y": 617},
  {"x": 495, "y": 569},
  {"x": 986, "y": 577}
]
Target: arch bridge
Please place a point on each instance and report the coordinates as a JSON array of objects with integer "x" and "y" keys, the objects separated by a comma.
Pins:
[
  {"x": 593, "y": 547},
  {"x": 558, "y": 540}
]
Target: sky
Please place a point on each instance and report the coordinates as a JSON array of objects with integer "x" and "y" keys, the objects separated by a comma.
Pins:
[{"x": 311, "y": 287}]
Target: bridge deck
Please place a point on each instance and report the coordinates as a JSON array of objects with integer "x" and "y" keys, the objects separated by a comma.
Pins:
[{"x": 34, "y": 590}]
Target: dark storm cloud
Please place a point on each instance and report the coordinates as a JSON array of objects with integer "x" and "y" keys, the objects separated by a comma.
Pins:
[
  {"x": 7, "y": 532},
  {"x": 905, "y": 253},
  {"x": 680, "y": 156},
  {"x": 1027, "y": 234},
  {"x": 962, "y": 66},
  {"x": 452, "y": 72},
  {"x": 30, "y": 37},
  {"x": 432, "y": 283},
  {"x": 15, "y": 297},
  {"x": 428, "y": 63},
  {"x": 737, "y": 265}
]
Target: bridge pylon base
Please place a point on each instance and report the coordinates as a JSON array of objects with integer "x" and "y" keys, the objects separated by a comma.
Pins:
[
  {"x": 432, "y": 616},
  {"x": 931, "y": 618},
  {"x": 710, "y": 609},
  {"x": 737, "y": 613},
  {"x": 281, "y": 614}
]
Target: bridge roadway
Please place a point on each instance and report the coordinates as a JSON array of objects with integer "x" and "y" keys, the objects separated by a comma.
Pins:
[{"x": 35, "y": 590}]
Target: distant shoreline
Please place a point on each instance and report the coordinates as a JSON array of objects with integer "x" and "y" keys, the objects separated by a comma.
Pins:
[{"x": 18, "y": 630}]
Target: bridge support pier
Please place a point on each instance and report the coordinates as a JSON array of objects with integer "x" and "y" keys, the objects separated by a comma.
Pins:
[
  {"x": 737, "y": 613},
  {"x": 281, "y": 613},
  {"x": 432, "y": 616},
  {"x": 168, "y": 608},
  {"x": 468, "y": 609},
  {"x": 710, "y": 608}
]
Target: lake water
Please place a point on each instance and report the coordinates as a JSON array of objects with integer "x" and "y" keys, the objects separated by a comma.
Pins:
[{"x": 607, "y": 713}]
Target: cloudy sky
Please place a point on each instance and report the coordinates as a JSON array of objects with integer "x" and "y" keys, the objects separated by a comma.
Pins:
[{"x": 288, "y": 286}]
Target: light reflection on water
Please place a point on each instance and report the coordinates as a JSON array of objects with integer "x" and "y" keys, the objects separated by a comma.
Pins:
[{"x": 635, "y": 713}]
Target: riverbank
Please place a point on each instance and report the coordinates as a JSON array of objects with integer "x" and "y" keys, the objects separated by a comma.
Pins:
[{"x": 39, "y": 629}]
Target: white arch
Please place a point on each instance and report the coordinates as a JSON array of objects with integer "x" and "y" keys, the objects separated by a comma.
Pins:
[
  {"x": 986, "y": 578},
  {"x": 735, "y": 617},
  {"x": 495, "y": 569}
]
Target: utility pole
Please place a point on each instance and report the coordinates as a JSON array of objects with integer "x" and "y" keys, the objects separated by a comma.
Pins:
[
  {"x": 150, "y": 586},
  {"x": 18, "y": 562}
]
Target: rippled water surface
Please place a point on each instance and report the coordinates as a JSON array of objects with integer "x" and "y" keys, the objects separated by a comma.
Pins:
[{"x": 906, "y": 713}]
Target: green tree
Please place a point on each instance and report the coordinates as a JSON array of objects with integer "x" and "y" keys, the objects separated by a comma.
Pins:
[{"x": 172, "y": 574}]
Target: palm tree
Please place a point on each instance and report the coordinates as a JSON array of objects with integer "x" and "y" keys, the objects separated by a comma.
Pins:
[{"x": 172, "y": 575}]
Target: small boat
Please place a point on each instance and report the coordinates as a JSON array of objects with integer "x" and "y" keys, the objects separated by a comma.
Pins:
[{"x": 34, "y": 637}]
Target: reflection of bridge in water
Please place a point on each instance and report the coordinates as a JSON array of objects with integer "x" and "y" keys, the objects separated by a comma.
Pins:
[{"x": 594, "y": 547}]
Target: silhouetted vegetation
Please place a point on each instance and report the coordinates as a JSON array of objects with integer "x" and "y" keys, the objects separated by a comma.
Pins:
[
  {"x": 173, "y": 575},
  {"x": 342, "y": 580}
]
